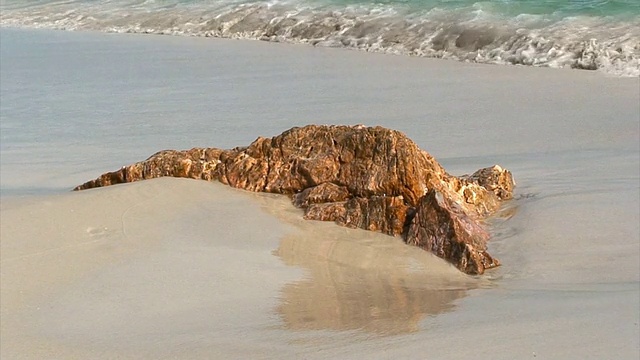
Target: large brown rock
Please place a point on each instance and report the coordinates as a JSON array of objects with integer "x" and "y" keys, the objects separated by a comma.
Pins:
[{"x": 366, "y": 177}]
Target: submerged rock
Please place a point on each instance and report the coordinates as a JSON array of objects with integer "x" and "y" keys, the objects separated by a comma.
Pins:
[{"x": 363, "y": 177}]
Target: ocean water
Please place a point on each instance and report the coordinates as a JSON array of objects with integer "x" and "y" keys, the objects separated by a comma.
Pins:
[{"x": 599, "y": 35}]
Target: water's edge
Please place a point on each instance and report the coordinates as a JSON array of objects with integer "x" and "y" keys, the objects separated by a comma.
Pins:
[{"x": 610, "y": 44}]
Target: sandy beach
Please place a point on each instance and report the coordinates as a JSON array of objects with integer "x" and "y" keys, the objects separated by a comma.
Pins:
[{"x": 185, "y": 269}]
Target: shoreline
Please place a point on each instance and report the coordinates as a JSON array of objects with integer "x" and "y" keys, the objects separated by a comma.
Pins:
[
  {"x": 206, "y": 271},
  {"x": 567, "y": 37},
  {"x": 331, "y": 48}
]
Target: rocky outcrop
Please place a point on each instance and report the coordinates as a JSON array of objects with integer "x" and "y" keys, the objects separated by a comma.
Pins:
[{"x": 363, "y": 177}]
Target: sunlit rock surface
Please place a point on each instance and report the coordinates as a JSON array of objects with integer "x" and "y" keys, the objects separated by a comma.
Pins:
[{"x": 363, "y": 177}]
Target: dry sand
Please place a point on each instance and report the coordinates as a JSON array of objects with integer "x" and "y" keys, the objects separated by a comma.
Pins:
[{"x": 175, "y": 268}]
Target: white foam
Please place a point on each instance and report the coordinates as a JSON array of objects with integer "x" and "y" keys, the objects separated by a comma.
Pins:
[{"x": 475, "y": 34}]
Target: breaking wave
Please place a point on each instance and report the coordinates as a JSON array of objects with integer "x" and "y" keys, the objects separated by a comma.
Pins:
[{"x": 473, "y": 33}]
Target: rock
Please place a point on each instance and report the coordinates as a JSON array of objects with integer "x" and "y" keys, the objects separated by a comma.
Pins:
[
  {"x": 442, "y": 227},
  {"x": 323, "y": 193},
  {"x": 384, "y": 214},
  {"x": 495, "y": 179},
  {"x": 365, "y": 177},
  {"x": 194, "y": 163}
]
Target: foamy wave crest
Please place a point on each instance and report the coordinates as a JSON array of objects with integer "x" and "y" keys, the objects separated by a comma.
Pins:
[{"x": 610, "y": 45}]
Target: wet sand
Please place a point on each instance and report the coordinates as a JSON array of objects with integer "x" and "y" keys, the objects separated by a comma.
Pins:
[{"x": 175, "y": 268}]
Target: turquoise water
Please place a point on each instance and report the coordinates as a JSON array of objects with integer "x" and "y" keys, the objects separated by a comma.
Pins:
[
  {"x": 517, "y": 7},
  {"x": 584, "y": 34}
]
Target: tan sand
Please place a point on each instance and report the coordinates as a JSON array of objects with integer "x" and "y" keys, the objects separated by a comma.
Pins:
[{"x": 130, "y": 270}]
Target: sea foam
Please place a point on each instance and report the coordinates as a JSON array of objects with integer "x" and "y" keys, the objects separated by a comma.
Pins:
[{"x": 473, "y": 33}]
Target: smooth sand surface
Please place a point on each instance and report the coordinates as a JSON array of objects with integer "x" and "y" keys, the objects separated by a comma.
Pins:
[
  {"x": 95, "y": 273},
  {"x": 176, "y": 268}
]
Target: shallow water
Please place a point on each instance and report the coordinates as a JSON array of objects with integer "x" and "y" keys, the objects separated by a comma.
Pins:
[{"x": 85, "y": 103}]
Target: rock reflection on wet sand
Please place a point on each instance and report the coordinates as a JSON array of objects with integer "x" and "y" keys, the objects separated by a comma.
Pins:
[{"x": 360, "y": 280}]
